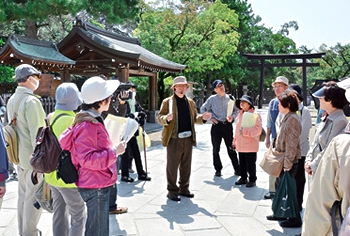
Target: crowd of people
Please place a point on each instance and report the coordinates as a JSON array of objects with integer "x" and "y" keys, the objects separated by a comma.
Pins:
[{"x": 83, "y": 208}]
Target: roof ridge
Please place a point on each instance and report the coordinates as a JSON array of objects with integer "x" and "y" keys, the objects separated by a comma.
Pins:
[
  {"x": 89, "y": 27},
  {"x": 33, "y": 41}
]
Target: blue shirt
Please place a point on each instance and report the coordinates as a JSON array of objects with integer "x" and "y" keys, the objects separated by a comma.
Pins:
[{"x": 217, "y": 105}]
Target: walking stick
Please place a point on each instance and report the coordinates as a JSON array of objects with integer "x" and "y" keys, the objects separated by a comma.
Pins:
[{"x": 144, "y": 147}]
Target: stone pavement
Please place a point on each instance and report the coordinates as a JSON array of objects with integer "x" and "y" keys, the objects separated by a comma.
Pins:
[{"x": 218, "y": 208}]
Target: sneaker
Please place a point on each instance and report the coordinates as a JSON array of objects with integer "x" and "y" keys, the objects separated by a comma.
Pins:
[
  {"x": 269, "y": 195},
  {"x": 241, "y": 181},
  {"x": 127, "y": 179},
  {"x": 218, "y": 173},
  {"x": 250, "y": 184},
  {"x": 144, "y": 177},
  {"x": 119, "y": 210}
]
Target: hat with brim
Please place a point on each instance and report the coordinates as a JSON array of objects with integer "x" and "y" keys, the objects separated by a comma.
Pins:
[
  {"x": 345, "y": 84},
  {"x": 68, "y": 97},
  {"x": 319, "y": 93},
  {"x": 24, "y": 70},
  {"x": 244, "y": 98},
  {"x": 96, "y": 89},
  {"x": 216, "y": 83},
  {"x": 179, "y": 80},
  {"x": 296, "y": 88},
  {"x": 281, "y": 79}
]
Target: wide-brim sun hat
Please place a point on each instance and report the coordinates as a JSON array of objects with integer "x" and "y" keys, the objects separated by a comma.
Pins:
[
  {"x": 297, "y": 90},
  {"x": 345, "y": 84},
  {"x": 245, "y": 98},
  {"x": 319, "y": 93},
  {"x": 96, "y": 89},
  {"x": 68, "y": 97},
  {"x": 281, "y": 79},
  {"x": 179, "y": 80}
]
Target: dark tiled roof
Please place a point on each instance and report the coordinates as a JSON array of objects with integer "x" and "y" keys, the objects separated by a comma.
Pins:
[
  {"x": 123, "y": 46},
  {"x": 36, "y": 50}
]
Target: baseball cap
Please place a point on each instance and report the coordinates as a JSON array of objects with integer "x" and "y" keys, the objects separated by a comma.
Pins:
[
  {"x": 25, "y": 70},
  {"x": 281, "y": 79},
  {"x": 216, "y": 83},
  {"x": 96, "y": 89},
  {"x": 68, "y": 97}
]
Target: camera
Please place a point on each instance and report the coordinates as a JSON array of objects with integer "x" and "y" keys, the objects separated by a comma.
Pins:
[
  {"x": 37, "y": 205},
  {"x": 124, "y": 95}
]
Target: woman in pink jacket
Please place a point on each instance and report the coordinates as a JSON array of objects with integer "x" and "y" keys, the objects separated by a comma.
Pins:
[
  {"x": 246, "y": 140},
  {"x": 93, "y": 153}
]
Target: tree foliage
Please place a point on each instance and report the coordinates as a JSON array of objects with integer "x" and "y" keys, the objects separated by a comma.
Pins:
[
  {"x": 37, "y": 13},
  {"x": 196, "y": 33}
]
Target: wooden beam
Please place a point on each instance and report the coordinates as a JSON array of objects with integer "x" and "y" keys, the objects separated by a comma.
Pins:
[
  {"x": 284, "y": 65},
  {"x": 283, "y": 56}
]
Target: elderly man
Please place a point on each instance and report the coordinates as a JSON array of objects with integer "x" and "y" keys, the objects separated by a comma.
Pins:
[
  {"x": 26, "y": 108},
  {"x": 178, "y": 115},
  {"x": 222, "y": 125},
  {"x": 279, "y": 85}
]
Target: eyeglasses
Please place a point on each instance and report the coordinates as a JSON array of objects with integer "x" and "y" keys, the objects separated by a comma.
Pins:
[
  {"x": 278, "y": 86},
  {"x": 36, "y": 77}
]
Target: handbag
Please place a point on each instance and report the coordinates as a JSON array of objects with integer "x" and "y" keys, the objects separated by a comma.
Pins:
[
  {"x": 272, "y": 162},
  {"x": 65, "y": 168},
  {"x": 285, "y": 202},
  {"x": 336, "y": 206},
  {"x": 43, "y": 197},
  {"x": 262, "y": 135}
]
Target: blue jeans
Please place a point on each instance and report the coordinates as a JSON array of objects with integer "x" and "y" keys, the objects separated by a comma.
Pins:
[{"x": 97, "y": 203}]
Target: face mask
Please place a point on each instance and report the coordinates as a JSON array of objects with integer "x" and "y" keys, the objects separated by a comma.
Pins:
[{"x": 36, "y": 84}]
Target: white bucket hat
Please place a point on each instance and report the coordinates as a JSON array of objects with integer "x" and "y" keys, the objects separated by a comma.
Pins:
[
  {"x": 345, "y": 84},
  {"x": 281, "y": 79},
  {"x": 96, "y": 89}
]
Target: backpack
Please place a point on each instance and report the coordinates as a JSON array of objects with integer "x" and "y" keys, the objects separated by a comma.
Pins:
[
  {"x": 10, "y": 135},
  {"x": 44, "y": 158},
  {"x": 65, "y": 168}
]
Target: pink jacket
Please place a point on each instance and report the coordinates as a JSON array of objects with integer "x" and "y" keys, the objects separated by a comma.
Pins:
[
  {"x": 92, "y": 154},
  {"x": 248, "y": 141}
]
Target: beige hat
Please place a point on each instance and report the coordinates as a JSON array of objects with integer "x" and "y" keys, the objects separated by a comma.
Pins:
[
  {"x": 179, "y": 80},
  {"x": 281, "y": 79}
]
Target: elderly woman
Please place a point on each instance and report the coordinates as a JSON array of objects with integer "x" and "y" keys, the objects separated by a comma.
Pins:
[
  {"x": 93, "y": 153},
  {"x": 287, "y": 142},
  {"x": 332, "y": 100}
]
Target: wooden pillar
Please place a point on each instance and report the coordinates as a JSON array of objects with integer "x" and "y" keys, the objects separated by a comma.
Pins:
[
  {"x": 153, "y": 98},
  {"x": 65, "y": 75},
  {"x": 304, "y": 83},
  {"x": 123, "y": 74},
  {"x": 261, "y": 85}
]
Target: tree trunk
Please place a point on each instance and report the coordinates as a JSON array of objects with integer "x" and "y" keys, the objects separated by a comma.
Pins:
[{"x": 31, "y": 29}]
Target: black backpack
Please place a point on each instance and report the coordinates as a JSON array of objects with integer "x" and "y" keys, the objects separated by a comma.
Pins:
[{"x": 65, "y": 168}]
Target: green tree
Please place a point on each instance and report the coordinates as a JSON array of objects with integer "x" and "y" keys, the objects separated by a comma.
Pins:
[
  {"x": 37, "y": 13},
  {"x": 198, "y": 34}
]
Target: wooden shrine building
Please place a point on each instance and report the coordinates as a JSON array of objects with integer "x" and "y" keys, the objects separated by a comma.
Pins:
[{"x": 89, "y": 51}]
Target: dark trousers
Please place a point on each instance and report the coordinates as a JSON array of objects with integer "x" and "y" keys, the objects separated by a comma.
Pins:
[
  {"x": 179, "y": 157},
  {"x": 300, "y": 180},
  {"x": 131, "y": 149},
  {"x": 247, "y": 163},
  {"x": 218, "y": 132}
]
